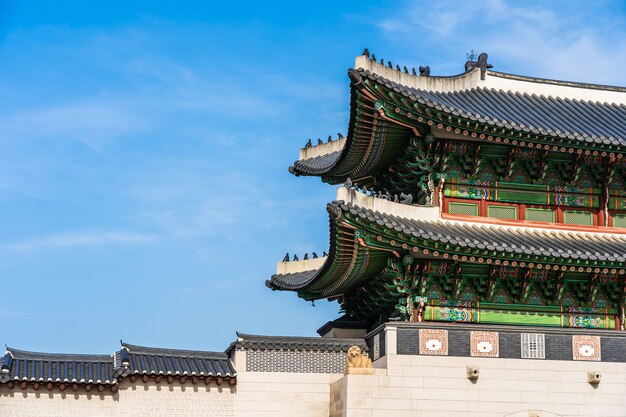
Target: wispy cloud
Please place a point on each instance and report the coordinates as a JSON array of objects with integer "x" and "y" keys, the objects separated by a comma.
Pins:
[
  {"x": 536, "y": 38},
  {"x": 91, "y": 122},
  {"x": 79, "y": 239}
]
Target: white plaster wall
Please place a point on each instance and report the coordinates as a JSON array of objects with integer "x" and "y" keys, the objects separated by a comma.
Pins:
[
  {"x": 151, "y": 399},
  {"x": 437, "y": 386}
]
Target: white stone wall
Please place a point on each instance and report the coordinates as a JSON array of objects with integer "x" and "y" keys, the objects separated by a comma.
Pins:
[
  {"x": 437, "y": 386},
  {"x": 273, "y": 394},
  {"x": 134, "y": 400},
  {"x": 402, "y": 386}
]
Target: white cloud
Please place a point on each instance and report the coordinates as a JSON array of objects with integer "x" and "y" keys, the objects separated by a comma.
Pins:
[
  {"x": 553, "y": 40},
  {"x": 79, "y": 239}
]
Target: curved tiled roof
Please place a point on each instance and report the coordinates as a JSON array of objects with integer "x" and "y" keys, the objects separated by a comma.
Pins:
[
  {"x": 509, "y": 239},
  {"x": 157, "y": 361},
  {"x": 291, "y": 281},
  {"x": 586, "y": 121},
  {"x": 19, "y": 365},
  {"x": 590, "y": 121},
  {"x": 317, "y": 165},
  {"x": 553, "y": 246}
]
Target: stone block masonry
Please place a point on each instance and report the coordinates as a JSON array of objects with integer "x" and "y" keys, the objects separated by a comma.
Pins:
[{"x": 137, "y": 400}]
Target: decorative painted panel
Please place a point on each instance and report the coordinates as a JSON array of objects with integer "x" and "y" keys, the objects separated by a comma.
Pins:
[
  {"x": 433, "y": 342},
  {"x": 484, "y": 344},
  {"x": 586, "y": 348}
]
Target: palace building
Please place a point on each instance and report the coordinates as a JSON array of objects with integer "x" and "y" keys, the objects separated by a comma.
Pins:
[{"x": 477, "y": 250}]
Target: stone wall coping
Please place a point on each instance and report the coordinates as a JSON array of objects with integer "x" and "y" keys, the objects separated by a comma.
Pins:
[{"x": 497, "y": 328}]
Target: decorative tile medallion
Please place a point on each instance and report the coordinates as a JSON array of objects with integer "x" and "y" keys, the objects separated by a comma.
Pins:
[
  {"x": 484, "y": 344},
  {"x": 433, "y": 342},
  {"x": 586, "y": 348}
]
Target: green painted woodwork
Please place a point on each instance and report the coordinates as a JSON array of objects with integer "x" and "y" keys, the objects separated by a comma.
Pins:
[
  {"x": 502, "y": 212},
  {"x": 619, "y": 220},
  {"x": 374, "y": 145},
  {"x": 517, "y": 317},
  {"x": 578, "y": 217},
  {"x": 537, "y": 214},
  {"x": 467, "y": 209}
]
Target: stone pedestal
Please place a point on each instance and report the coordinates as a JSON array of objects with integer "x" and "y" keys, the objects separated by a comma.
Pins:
[{"x": 359, "y": 371}]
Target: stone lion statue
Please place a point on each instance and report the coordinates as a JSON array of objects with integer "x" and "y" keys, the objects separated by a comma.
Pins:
[{"x": 357, "y": 359}]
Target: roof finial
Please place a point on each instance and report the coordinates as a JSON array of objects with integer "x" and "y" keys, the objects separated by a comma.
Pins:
[
  {"x": 308, "y": 144},
  {"x": 286, "y": 258},
  {"x": 424, "y": 71},
  {"x": 319, "y": 141},
  {"x": 374, "y": 57},
  {"x": 366, "y": 52},
  {"x": 295, "y": 258},
  {"x": 480, "y": 63},
  {"x": 389, "y": 64},
  {"x": 339, "y": 135}
]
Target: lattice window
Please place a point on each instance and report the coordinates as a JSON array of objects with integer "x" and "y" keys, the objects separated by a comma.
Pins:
[
  {"x": 619, "y": 220},
  {"x": 581, "y": 217},
  {"x": 533, "y": 346},
  {"x": 466, "y": 209},
  {"x": 502, "y": 212},
  {"x": 534, "y": 214}
]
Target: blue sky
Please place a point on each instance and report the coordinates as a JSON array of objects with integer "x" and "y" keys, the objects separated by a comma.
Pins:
[{"x": 144, "y": 147}]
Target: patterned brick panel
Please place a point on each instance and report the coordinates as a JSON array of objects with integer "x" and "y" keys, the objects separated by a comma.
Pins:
[
  {"x": 458, "y": 343},
  {"x": 408, "y": 341},
  {"x": 295, "y": 361},
  {"x": 613, "y": 350},
  {"x": 510, "y": 345},
  {"x": 559, "y": 347}
]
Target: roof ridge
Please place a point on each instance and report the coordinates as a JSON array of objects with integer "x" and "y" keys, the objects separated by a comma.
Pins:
[
  {"x": 320, "y": 339},
  {"x": 564, "y": 83},
  {"x": 25, "y": 354},
  {"x": 148, "y": 349}
]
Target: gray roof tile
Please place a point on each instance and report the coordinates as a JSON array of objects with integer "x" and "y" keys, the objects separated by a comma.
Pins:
[
  {"x": 587, "y": 121},
  {"x": 157, "y": 361}
]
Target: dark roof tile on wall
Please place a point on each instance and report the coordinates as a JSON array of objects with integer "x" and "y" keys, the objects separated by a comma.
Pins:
[
  {"x": 157, "y": 361},
  {"x": 19, "y": 365},
  {"x": 295, "y": 343}
]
